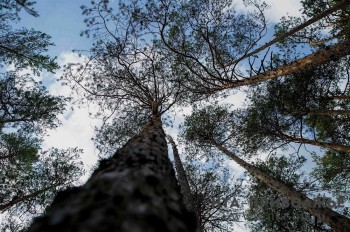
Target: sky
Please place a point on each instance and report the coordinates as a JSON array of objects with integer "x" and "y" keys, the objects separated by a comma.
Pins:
[{"x": 63, "y": 21}]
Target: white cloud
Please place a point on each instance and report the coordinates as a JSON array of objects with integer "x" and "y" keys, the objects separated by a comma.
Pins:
[
  {"x": 280, "y": 8},
  {"x": 75, "y": 131},
  {"x": 77, "y": 127},
  {"x": 64, "y": 58},
  {"x": 277, "y": 9}
]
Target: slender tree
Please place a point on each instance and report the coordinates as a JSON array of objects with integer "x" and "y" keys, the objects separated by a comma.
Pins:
[
  {"x": 213, "y": 196},
  {"x": 182, "y": 177},
  {"x": 211, "y": 192},
  {"x": 217, "y": 135},
  {"x": 281, "y": 35},
  {"x": 269, "y": 210}
]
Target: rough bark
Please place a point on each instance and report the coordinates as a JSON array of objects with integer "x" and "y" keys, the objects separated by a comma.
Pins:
[
  {"x": 292, "y": 31},
  {"x": 333, "y": 219},
  {"x": 135, "y": 190}
]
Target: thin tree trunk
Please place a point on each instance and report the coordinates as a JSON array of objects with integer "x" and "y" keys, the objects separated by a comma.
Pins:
[
  {"x": 135, "y": 190},
  {"x": 281, "y": 37},
  {"x": 17, "y": 200},
  {"x": 337, "y": 221},
  {"x": 331, "y": 53},
  {"x": 184, "y": 185},
  {"x": 333, "y": 146},
  {"x": 340, "y": 97},
  {"x": 6, "y": 157},
  {"x": 182, "y": 177},
  {"x": 323, "y": 112},
  {"x": 15, "y": 120}
]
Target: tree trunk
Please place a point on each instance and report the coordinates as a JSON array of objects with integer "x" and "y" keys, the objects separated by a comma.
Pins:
[
  {"x": 183, "y": 182},
  {"x": 16, "y": 200},
  {"x": 292, "y": 31},
  {"x": 333, "y": 146},
  {"x": 135, "y": 190},
  {"x": 340, "y": 97},
  {"x": 337, "y": 221},
  {"x": 9, "y": 120},
  {"x": 323, "y": 112},
  {"x": 182, "y": 177},
  {"x": 6, "y": 156},
  {"x": 331, "y": 53}
]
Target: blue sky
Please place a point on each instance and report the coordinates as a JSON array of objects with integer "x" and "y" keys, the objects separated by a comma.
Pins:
[{"x": 60, "y": 19}]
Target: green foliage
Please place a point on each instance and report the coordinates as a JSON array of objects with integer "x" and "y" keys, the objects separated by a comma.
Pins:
[
  {"x": 333, "y": 170},
  {"x": 28, "y": 186},
  {"x": 113, "y": 135},
  {"x": 313, "y": 37},
  {"x": 339, "y": 21},
  {"x": 264, "y": 215},
  {"x": 29, "y": 176},
  {"x": 201, "y": 37},
  {"x": 11, "y": 8},
  {"x": 18, "y": 148},
  {"x": 217, "y": 121},
  {"x": 27, "y": 105},
  {"x": 214, "y": 191},
  {"x": 324, "y": 124},
  {"x": 301, "y": 105},
  {"x": 23, "y": 47}
]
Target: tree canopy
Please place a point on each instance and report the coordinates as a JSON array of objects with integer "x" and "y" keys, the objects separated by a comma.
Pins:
[{"x": 148, "y": 56}]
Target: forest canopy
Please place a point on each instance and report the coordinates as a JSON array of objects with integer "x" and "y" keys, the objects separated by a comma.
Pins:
[{"x": 151, "y": 59}]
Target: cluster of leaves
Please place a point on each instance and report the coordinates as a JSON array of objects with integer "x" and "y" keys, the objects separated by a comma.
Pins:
[
  {"x": 267, "y": 211},
  {"x": 27, "y": 105},
  {"x": 30, "y": 181},
  {"x": 217, "y": 121},
  {"x": 23, "y": 47},
  {"x": 334, "y": 172},
  {"x": 29, "y": 176},
  {"x": 217, "y": 196},
  {"x": 339, "y": 21},
  {"x": 116, "y": 133},
  {"x": 302, "y": 108}
]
